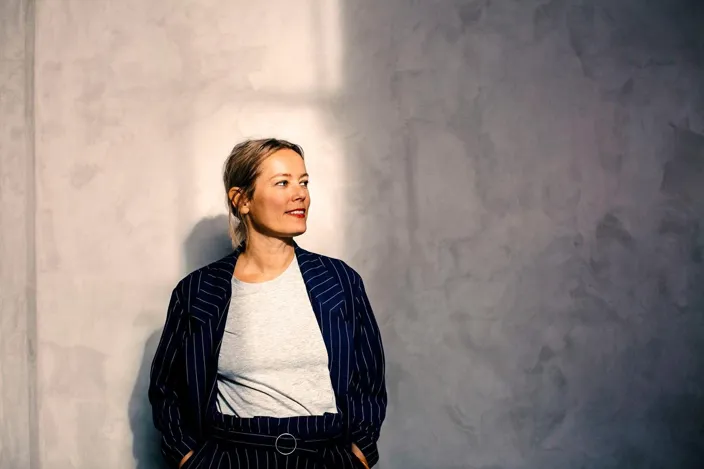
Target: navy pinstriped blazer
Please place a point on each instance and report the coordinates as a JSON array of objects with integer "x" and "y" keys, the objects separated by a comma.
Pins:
[{"x": 183, "y": 380}]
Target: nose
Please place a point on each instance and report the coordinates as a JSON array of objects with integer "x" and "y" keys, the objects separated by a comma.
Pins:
[{"x": 300, "y": 193}]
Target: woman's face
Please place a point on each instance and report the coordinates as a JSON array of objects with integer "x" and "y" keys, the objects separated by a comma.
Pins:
[{"x": 280, "y": 203}]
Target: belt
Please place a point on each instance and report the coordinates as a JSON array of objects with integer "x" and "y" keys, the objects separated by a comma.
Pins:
[{"x": 284, "y": 443}]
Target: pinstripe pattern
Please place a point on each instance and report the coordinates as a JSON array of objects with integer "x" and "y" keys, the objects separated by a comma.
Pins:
[{"x": 183, "y": 382}]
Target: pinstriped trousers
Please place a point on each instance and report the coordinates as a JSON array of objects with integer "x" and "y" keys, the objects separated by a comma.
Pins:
[{"x": 267, "y": 443}]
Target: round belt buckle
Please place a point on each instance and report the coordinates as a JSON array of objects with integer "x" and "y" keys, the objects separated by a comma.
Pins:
[{"x": 295, "y": 444}]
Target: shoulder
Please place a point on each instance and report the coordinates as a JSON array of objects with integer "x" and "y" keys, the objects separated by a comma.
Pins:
[
  {"x": 334, "y": 265},
  {"x": 214, "y": 276}
]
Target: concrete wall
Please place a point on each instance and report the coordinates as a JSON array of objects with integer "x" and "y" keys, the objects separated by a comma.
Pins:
[
  {"x": 521, "y": 185},
  {"x": 533, "y": 180}
]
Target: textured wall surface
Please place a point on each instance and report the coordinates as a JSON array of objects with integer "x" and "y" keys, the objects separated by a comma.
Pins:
[
  {"x": 533, "y": 179},
  {"x": 17, "y": 309},
  {"x": 521, "y": 184}
]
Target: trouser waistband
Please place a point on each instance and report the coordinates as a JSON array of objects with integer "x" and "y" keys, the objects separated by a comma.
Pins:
[{"x": 285, "y": 435}]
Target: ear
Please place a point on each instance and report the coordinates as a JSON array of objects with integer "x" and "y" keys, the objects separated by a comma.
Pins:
[{"x": 237, "y": 200}]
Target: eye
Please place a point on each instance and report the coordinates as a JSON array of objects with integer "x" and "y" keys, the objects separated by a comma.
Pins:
[
  {"x": 304, "y": 183},
  {"x": 283, "y": 183}
]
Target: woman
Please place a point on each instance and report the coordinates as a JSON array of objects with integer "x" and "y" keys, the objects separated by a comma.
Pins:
[{"x": 271, "y": 356}]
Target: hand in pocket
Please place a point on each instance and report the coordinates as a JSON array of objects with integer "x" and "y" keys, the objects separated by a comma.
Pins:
[{"x": 356, "y": 452}]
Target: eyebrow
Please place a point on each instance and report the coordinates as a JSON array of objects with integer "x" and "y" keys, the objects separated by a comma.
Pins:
[{"x": 288, "y": 175}]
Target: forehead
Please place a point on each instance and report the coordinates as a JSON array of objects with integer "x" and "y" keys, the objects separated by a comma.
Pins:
[{"x": 283, "y": 161}]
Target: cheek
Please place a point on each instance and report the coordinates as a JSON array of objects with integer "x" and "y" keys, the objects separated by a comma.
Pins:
[{"x": 270, "y": 206}]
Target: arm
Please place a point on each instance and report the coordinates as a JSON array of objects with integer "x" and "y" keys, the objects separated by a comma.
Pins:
[
  {"x": 367, "y": 394},
  {"x": 166, "y": 383}
]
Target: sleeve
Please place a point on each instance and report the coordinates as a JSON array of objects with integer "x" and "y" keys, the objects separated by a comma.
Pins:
[
  {"x": 367, "y": 395},
  {"x": 166, "y": 385}
]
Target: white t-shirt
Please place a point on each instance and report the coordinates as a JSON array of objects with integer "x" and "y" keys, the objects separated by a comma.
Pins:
[{"x": 273, "y": 361}]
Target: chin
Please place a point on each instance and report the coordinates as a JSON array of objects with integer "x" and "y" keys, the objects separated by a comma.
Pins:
[{"x": 295, "y": 231}]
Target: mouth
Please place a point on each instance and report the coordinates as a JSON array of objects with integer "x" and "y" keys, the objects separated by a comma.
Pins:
[{"x": 298, "y": 213}]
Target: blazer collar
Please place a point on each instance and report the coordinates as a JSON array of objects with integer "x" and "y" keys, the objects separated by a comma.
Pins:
[
  {"x": 224, "y": 268},
  {"x": 317, "y": 277}
]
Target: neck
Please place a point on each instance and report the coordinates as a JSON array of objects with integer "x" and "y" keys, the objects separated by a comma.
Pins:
[{"x": 265, "y": 254}]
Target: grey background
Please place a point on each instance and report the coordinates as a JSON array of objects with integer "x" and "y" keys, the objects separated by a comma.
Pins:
[{"x": 520, "y": 183}]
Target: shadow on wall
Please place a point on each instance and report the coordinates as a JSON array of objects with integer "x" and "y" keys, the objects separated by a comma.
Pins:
[
  {"x": 145, "y": 443},
  {"x": 207, "y": 242}
]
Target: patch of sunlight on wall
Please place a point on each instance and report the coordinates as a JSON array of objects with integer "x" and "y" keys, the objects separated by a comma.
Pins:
[
  {"x": 299, "y": 75},
  {"x": 303, "y": 50}
]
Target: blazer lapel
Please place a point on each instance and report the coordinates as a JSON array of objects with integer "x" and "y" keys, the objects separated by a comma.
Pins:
[
  {"x": 210, "y": 290},
  {"x": 327, "y": 298}
]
